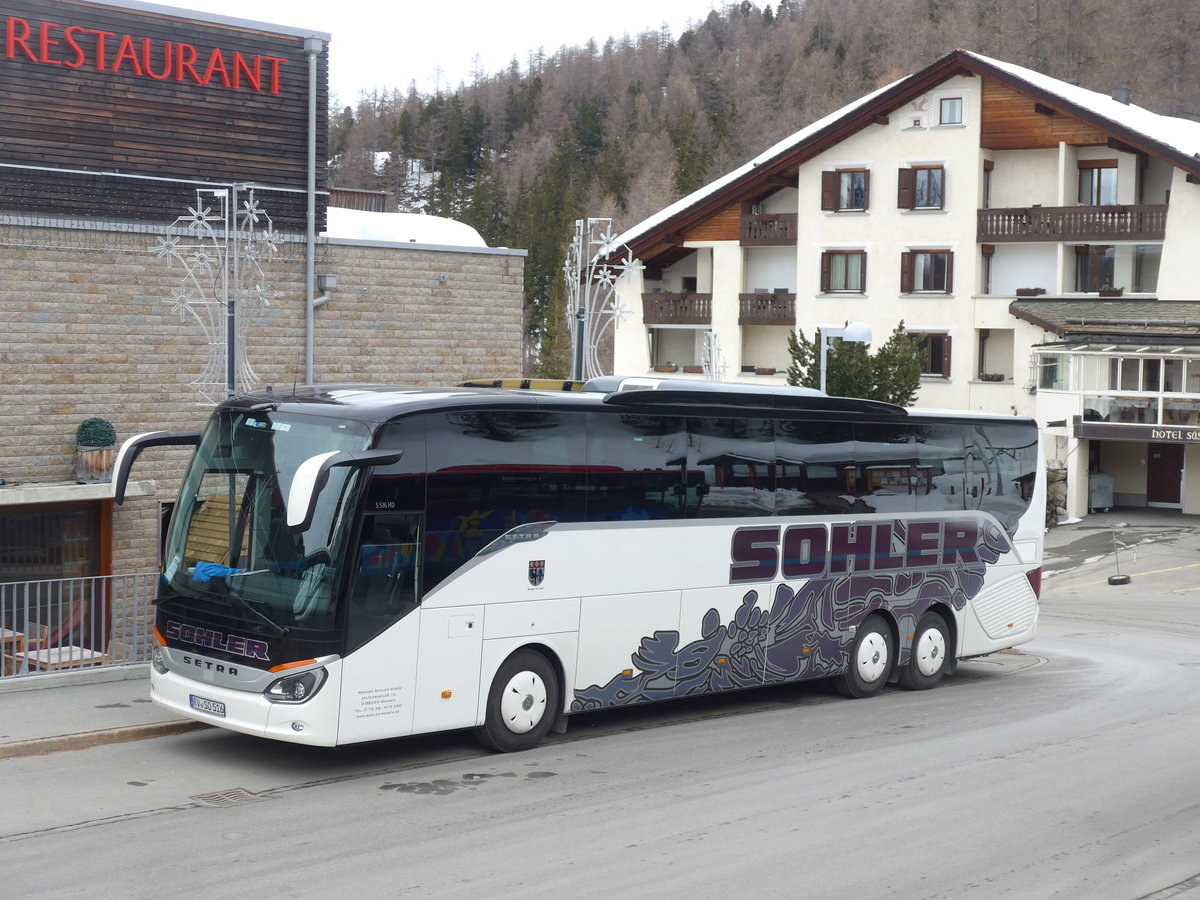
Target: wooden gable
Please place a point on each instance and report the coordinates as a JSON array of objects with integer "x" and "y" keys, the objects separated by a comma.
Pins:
[
  {"x": 724, "y": 226},
  {"x": 1013, "y": 120}
]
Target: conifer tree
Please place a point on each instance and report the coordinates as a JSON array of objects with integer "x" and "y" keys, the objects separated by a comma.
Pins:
[{"x": 892, "y": 374}]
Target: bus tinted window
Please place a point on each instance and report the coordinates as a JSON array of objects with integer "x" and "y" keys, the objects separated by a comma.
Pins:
[
  {"x": 814, "y": 465},
  {"x": 635, "y": 467},
  {"x": 1001, "y": 468},
  {"x": 941, "y": 462},
  {"x": 490, "y": 471},
  {"x": 886, "y": 478},
  {"x": 731, "y": 467}
]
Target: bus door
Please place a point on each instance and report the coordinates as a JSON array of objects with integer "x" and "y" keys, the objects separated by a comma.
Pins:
[{"x": 379, "y": 670}]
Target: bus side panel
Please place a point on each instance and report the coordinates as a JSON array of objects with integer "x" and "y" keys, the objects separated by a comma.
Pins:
[
  {"x": 723, "y": 633},
  {"x": 377, "y": 695},
  {"x": 447, "y": 694},
  {"x": 609, "y": 627},
  {"x": 1003, "y": 614}
]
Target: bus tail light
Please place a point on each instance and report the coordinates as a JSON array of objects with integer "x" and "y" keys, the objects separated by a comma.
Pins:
[
  {"x": 296, "y": 688},
  {"x": 1035, "y": 581}
]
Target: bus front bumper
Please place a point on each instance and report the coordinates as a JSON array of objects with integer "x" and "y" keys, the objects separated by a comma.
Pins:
[{"x": 313, "y": 722}]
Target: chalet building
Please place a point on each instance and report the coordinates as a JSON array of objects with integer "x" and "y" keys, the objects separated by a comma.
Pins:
[
  {"x": 994, "y": 211},
  {"x": 158, "y": 168}
]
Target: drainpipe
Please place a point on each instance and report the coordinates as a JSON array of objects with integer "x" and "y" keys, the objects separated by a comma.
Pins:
[{"x": 313, "y": 46}]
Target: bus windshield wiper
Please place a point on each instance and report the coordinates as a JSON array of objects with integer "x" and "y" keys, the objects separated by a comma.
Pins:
[{"x": 255, "y": 611}]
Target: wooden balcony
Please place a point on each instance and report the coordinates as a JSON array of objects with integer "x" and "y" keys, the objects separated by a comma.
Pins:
[
  {"x": 770, "y": 230},
  {"x": 677, "y": 309},
  {"x": 1090, "y": 224},
  {"x": 767, "y": 309}
]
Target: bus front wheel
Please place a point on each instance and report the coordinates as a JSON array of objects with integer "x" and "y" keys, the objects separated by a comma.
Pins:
[
  {"x": 871, "y": 659},
  {"x": 927, "y": 661},
  {"x": 522, "y": 703}
]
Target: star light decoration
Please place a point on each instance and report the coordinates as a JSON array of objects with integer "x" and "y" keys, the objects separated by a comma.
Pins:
[
  {"x": 592, "y": 301},
  {"x": 223, "y": 266}
]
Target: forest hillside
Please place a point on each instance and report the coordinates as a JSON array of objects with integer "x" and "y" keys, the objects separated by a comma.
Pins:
[{"x": 622, "y": 129}]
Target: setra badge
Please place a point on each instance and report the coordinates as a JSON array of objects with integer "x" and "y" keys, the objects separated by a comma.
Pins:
[{"x": 537, "y": 571}]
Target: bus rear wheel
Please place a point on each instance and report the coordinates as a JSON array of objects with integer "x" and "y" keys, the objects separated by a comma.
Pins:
[
  {"x": 522, "y": 703},
  {"x": 871, "y": 660},
  {"x": 927, "y": 662}
]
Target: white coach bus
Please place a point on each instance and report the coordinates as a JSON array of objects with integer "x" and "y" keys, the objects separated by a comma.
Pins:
[{"x": 348, "y": 563}]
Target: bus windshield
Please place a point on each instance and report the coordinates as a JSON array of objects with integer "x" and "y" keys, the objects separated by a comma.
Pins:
[{"x": 229, "y": 540}]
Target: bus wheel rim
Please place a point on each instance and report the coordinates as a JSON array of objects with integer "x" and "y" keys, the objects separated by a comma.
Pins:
[
  {"x": 931, "y": 651},
  {"x": 523, "y": 702},
  {"x": 872, "y": 657}
]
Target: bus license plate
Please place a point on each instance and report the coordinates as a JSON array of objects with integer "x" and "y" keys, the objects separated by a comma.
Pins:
[{"x": 212, "y": 707}]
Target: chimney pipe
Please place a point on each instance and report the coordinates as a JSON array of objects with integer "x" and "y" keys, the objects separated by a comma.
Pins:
[{"x": 1123, "y": 93}]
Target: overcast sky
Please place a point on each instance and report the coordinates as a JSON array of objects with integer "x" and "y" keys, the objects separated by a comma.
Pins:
[{"x": 390, "y": 44}]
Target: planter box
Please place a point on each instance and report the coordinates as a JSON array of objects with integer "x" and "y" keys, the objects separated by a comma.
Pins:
[
  {"x": 1115, "y": 292},
  {"x": 764, "y": 370},
  {"x": 93, "y": 465},
  {"x": 694, "y": 370},
  {"x": 1030, "y": 292},
  {"x": 666, "y": 368}
]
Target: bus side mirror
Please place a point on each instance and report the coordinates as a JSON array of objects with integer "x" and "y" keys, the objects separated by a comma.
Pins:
[
  {"x": 132, "y": 449},
  {"x": 313, "y": 474}
]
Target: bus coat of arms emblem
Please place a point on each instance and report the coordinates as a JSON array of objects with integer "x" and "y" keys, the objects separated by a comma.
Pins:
[{"x": 537, "y": 571}]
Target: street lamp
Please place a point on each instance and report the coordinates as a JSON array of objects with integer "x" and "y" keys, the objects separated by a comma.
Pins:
[{"x": 857, "y": 332}]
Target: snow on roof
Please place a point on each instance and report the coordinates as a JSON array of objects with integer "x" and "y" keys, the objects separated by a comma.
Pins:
[
  {"x": 696, "y": 196},
  {"x": 1180, "y": 134},
  {"x": 399, "y": 228}
]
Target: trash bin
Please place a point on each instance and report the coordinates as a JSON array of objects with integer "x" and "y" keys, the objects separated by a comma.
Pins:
[{"x": 1100, "y": 492}]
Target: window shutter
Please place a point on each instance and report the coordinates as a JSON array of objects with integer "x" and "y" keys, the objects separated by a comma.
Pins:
[
  {"x": 825, "y": 264},
  {"x": 904, "y": 192},
  {"x": 862, "y": 273},
  {"x": 946, "y": 356},
  {"x": 949, "y": 274},
  {"x": 866, "y": 204},
  {"x": 829, "y": 190},
  {"x": 942, "y": 196},
  {"x": 906, "y": 272}
]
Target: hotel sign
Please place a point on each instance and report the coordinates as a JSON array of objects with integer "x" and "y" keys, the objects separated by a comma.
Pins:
[{"x": 1159, "y": 434}]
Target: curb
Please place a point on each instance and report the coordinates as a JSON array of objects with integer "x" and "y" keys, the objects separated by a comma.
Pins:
[{"x": 42, "y": 746}]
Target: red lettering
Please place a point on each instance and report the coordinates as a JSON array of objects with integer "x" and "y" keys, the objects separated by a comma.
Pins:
[
  {"x": 275, "y": 62},
  {"x": 127, "y": 53},
  {"x": 240, "y": 67},
  {"x": 185, "y": 59},
  {"x": 45, "y": 42},
  {"x": 80, "y": 56},
  {"x": 167, "y": 60},
  {"x": 216, "y": 65},
  {"x": 18, "y": 36},
  {"x": 100, "y": 36}
]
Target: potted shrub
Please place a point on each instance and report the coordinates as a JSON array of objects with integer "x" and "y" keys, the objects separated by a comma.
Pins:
[
  {"x": 764, "y": 370},
  {"x": 94, "y": 442},
  {"x": 1107, "y": 290},
  {"x": 668, "y": 366},
  {"x": 991, "y": 376}
]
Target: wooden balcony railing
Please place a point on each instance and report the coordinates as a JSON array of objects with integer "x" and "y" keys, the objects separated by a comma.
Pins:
[
  {"x": 1073, "y": 223},
  {"x": 770, "y": 230},
  {"x": 766, "y": 309},
  {"x": 677, "y": 309}
]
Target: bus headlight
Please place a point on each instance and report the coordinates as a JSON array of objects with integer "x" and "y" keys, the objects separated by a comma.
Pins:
[
  {"x": 296, "y": 688},
  {"x": 157, "y": 662}
]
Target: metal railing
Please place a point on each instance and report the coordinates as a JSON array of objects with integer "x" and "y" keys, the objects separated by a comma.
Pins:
[{"x": 76, "y": 623}]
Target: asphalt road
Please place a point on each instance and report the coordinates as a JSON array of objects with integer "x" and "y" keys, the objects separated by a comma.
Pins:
[{"x": 1065, "y": 770}]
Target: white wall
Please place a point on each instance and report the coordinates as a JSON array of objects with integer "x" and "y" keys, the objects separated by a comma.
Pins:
[
  {"x": 769, "y": 268},
  {"x": 1024, "y": 266}
]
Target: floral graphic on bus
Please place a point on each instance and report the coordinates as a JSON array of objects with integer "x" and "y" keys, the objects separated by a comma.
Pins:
[{"x": 804, "y": 633}]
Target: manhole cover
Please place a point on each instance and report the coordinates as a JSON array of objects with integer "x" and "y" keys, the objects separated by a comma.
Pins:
[{"x": 231, "y": 797}]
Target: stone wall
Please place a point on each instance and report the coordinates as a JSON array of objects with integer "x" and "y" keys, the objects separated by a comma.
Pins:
[{"x": 89, "y": 329}]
